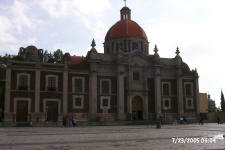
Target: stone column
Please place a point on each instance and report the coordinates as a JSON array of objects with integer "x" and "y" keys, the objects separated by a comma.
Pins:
[
  {"x": 180, "y": 99},
  {"x": 65, "y": 92},
  {"x": 197, "y": 96},
  {"x": 158, "y": 93},
  {"x": 92, "y": 95},
  {"x": 145, "y": 107},
  {"x": 129, "y": 106},
  {"x": 120, "y": 97},
  {"x": 37, "y": 91},
  {"x": 145, "y": 97},
  {"x": 7, "y": 91}
]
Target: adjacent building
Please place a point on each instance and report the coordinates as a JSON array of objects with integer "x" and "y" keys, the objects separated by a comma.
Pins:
[{"x": 126, "y": 82}]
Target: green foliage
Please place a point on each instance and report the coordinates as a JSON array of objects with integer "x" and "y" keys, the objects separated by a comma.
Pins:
[
  {"x": 18, "y": 58},
  {"x": 222, "y": 102},
  {"x": 5, "y": 58},
  {"x": 58, "y": 56}
]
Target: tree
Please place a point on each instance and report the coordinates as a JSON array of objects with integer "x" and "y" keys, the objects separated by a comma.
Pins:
[
  {"x": 222, "y": 102},
  {"x": 51, "y": 58},
  {"x": 58, "y": 56}
]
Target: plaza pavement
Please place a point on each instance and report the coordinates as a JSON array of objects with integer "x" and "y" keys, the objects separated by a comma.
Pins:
[{"x": 143, "y": 137}]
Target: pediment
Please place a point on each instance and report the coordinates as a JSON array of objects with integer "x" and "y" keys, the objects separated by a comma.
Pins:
[{"x": 137, "y": 60}]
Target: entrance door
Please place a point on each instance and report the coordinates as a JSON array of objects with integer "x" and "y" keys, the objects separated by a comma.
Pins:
[
  {"x": 137, "y": 112},
  {"x": 21, "y": 111},
  {"x": 52, "y": 110}
]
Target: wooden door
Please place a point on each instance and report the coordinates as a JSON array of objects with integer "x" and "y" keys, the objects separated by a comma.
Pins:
[
  {"x": 137, "y": 112},
  {"x": 21, "y": 111},
  {"x": 52, "y": 110}
]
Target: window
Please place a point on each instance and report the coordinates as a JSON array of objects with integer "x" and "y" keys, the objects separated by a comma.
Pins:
[
  {"x": 23, "y": 82},
  {"x": 78, "y": 101},
  {"x": 105, "y": 102},
  {"x": 51, "y": 83},
  {"x": 188, "y": 89},
  {"x": 105, "y": 86},
  {"x": 189, "y": 103},
  {"x": 166, "y": 104},
  {"x": 136, "y": 76},
  {"x": 165, "y": 89},
  {"x": 78, "y": 84}
]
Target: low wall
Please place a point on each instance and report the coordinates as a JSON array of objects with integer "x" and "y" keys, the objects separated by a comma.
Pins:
[{"x": 213, "y": 116}]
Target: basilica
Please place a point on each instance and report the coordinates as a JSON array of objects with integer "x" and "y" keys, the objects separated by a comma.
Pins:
[{"x": 126, "y": 82}]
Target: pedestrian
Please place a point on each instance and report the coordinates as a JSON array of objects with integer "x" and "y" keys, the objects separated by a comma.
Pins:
[
  {"x": 71, "y": 122},
  {"x": 181, "y": 120},
  {"x": 201, "y": 121},
  {"x": 67, "y": 121},
  {"x": 64, "y": 121},
  {"x": 218, "y": 120},
  {"x": 74, "y": 122}
]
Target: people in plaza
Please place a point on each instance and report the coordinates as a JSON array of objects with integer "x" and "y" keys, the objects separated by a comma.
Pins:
[
  {"x": 67, "y": 121},
  {"x": 218, "y": 120},
  {"x": 64, "y": 121},
  {"x": 201, "y": 121},
  {"x": 71, "y": 122},
  {"x": 161, "y": 120},
  {"x": 74, "y": 122},
  {"x": 181, "y": 120},
  {"x": 185, "y": 120},
  {"x": 175, "y": 122}
]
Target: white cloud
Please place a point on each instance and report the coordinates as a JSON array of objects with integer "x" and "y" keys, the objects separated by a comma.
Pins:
[
  {"x": 87, "y": 12},
  {"x": 13, "y": 23}
]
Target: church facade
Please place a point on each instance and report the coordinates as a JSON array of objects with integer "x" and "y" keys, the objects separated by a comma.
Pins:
[{"x": 123, "y": 83}]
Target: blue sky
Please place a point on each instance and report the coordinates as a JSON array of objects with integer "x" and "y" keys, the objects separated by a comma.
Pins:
[{"x": 196, "y": 26}]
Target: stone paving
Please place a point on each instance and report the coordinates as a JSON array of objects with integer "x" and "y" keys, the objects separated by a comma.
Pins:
[{"x": 144, "y": 137}]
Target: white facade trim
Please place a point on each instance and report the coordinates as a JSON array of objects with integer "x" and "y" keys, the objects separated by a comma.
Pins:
[
  {"x": 186, "y": 104},
  {"x": 169, "y": 85},
  {"x": 22, "y": 99},
  {"x": 192, "y": 92},
  {"x": 74, "y": 101},
  {"x": 73, "y": 83},
  {"x": 28, "y": 80},
  {"x": 101, "y": 102},
  {"x": 46, "y": 81},
  {"x": 164, "y": 107},
  {"x": 52, "y": 100},
  {"x": 101, "y": 80}
]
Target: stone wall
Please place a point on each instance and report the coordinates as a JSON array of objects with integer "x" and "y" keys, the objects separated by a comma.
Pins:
[{"x": 213, "y": 116}]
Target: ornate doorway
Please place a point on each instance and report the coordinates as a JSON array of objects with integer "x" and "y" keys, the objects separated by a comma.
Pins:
[
  {"x": 137, "y": 108},
  {"x": 52, "y": 110},
  {"x": 21, "y": 111}
]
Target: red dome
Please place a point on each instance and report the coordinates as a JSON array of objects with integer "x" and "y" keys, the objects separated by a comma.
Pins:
[{"x": 125, "y": 28}]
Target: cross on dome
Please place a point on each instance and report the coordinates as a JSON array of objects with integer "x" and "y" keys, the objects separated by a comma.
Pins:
[{"x": 125, "y": 1}]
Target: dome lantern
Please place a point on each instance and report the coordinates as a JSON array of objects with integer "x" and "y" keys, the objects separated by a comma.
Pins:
[{"x": 126, "y": 35}]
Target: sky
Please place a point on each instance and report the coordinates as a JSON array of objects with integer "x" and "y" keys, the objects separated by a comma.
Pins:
[{"x": 197, "y": 27}]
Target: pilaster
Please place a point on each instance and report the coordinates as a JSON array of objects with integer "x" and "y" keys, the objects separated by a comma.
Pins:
[
  {"x": 197, "y": 96},
  {"x": 158, "y": 102},
  {"x": 65, "y": 92},
  {"x": 37, "y": 91},
  {"x": 92, "y": 95},
  {"x": 120, "y": 97},
  {"x": 7, "y": 90}
]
